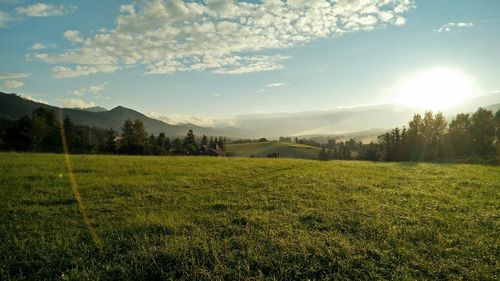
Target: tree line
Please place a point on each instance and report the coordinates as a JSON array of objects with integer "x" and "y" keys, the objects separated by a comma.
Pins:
[
  {"x": 43, "y": 132},
  {"x": 429, "y": 137}
]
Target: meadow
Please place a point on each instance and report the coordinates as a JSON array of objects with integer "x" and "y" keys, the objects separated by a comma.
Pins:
[
  {"x": 285, "y": 149},
  {"x": 198, "y": 218}
]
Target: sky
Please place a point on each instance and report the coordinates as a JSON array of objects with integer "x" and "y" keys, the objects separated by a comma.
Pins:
[{"x": 218, "y": 58}]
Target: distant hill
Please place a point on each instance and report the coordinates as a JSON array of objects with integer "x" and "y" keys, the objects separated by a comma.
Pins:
[
  {"x": 285, "y": 149},
  {"x": 13, "y": 106}
]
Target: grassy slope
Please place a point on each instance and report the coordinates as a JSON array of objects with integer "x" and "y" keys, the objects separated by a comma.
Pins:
[
  {"x": 286, "y": 150},
  {"x": 223, "y": 218}
]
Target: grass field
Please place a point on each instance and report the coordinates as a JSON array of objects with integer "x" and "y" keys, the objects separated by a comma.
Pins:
[
  {"x": 286, "y": 149},
  {"x": 161, "y": 218}
]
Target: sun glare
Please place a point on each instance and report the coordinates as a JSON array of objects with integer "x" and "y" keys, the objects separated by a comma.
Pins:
[{"x": 435, "y": 89}]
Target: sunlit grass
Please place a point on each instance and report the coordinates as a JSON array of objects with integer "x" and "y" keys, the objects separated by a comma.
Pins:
[{"x": 225, "y": 218}]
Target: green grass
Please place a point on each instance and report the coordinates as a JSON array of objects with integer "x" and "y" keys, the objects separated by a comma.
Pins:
[
  {"x": 286, "y": 150},
  {"x": 163, "y": 218}
]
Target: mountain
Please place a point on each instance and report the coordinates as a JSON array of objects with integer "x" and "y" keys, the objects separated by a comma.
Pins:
[
  {"x": 343, "y": 123},
  {"x": 13, "y": 106},
  {"x": 323, "y": 122}
]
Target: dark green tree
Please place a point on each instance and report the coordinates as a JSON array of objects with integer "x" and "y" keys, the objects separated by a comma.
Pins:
[
  {"x": 110, "y": 143},
  {"x": 459, "y": 142},
  {"x": 482, "y": 131},
  {"x": 204, "y": 140},
  {"x": 189, "y": 143}
]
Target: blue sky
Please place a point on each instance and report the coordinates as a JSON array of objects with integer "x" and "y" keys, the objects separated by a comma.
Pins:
[{"x": 222, "y": 58}]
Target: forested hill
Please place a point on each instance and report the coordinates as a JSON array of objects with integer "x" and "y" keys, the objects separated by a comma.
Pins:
[{"x": 13, "y": 106}]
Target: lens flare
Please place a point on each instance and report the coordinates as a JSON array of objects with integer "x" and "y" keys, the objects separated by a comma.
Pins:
[
  {"x": 435, "y": 89},
  {"x": 74, "y": 186}
]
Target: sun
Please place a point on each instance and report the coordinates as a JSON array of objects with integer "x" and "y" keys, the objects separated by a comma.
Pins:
[{"x": 435, "y": 89}]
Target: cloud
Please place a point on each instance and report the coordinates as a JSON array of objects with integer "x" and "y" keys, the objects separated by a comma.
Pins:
[
  {"x": 73, "y": 36},
  {"x": 45, "y": 10},
  {"x": 72, "y": 103},
  {"x": 261, "y": 91},
  {"x": 38, "y": 46},
  {"x": 24, "y": 96},
  {"x": 221, "y": 36},
  {"x": 60, "y": 72},
  {"x": 452, "y": 26},
  {"x": 195, "y": 120},
  {"x": 5, "y": 18},
  {"x": 14, "y": 75},
  {"x": 96, "y": 90},
  {"x": 277, "y": 85},
  {"x": 13, "y": 84}
]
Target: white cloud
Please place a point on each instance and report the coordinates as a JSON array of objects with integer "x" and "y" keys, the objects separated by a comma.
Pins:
[
  {"x": 73, "y": 36},
  {"x": 400, "y": 21},
  {"x": 195, "y": 120},
  {"x": 260, "y": 91},
  {"x": 5, "y": 18},
  {"x": 60, "y": 72},
  {"x": 24, "y": 96},
  {"x": 38, "y": 46},
  {"x": 13, "y": 75},
  {"x": 226, "y": 37},
  {"x": 72, "y": 103},
  {"x": 45, "y": 10},
  {"x": 96, "y": 90},
  {"x": 452, "y": 26},
  {"x": 13, "y": 84},
  {"x": 277, "y": 85}
]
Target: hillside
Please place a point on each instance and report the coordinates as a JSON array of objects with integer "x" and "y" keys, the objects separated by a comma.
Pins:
[
  {"x": 162, "y": 218},
  {"x": 261, "y": 149},
  {"x": 13, "y": 107}
]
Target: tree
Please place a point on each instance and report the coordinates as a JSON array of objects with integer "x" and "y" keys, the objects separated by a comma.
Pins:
[
  {"x": 323, "y": 155},
  {"x": 497, "y": 137},
  {"x": 189, "y": 143},
  {"x": 141, "y": 136},
  {"x": 134, "y": 137},
  {"x": 220, "y": 143},
  {"x": 18, "y": 135},
  {"x": 204, "y": 140},
  {"x": 45, "y": 130},
  {"x": 482, "y": 131},
  {"x": 436, "y": 130},
  {"x": 161, "y": 139},
  {"x": 162, "y": 144},
  {"x": 459, "y": 142},
  {"x": 110, "y": 143},
  {"x": 177, "y": 146},
  {"x": 415, "y": 139},
  {"x": 68, "y": 131},
  {"x": 167, "y": 145},
  {"x": 127, "y": 136}
]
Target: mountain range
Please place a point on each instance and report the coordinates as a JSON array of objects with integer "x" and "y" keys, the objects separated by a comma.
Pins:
[
  {"x": 13, "y": 106},
  {"x": 367, "y": 121}
]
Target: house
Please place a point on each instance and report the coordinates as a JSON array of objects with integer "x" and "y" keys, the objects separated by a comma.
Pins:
[{"x": 210, "y": 151}]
